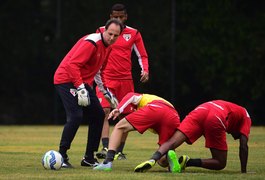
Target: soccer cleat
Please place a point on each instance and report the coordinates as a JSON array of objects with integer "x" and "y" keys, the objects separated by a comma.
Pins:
[
  {"x": 174, "y": 165},
  {"x": 103, "y": 167},
  {"x": 89, "y": 162},
  {"x": 143, "y": 167},
  {"x": 120, "y": 156},
  {"x": 66, "y": 163},
  {"x": 102, "y": 154},
  {"x": 183, "y": 161}
]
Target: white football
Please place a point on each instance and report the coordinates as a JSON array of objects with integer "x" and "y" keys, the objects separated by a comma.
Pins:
[{"x": 52, "y": 160}]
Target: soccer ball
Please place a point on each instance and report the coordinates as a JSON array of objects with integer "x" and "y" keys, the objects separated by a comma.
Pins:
[{"x": 52, "y": 160}]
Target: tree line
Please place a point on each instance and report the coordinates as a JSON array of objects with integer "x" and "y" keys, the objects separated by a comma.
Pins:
[{"x": 205, "y": 50}]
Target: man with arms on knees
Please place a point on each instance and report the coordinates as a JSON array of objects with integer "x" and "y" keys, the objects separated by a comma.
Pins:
[
  {"x": 117, "y": 75},
  {"x": 73, "y": 80},
  {"x": 147, "y": 112},
  {"x": 212, "y": 120}
]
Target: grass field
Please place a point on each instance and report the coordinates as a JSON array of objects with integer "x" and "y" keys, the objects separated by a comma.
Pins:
[{"x": 22, "y": 147}]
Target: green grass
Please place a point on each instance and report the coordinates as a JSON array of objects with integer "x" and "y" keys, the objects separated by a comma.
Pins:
[{"x": 22, "y": 147}]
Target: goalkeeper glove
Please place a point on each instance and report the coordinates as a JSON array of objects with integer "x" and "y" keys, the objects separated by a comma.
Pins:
[
  {"x": 83, "y": 96},
  {"x": 111, "y": 98}
]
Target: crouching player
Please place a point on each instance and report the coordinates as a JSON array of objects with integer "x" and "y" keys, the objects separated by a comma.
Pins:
[
  {"x": 211, "y": 120},
  {"x": 147, "y": 112}
]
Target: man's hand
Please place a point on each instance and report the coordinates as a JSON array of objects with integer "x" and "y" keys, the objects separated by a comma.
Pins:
[
  {"x": 83, "y": 96},
  {"x": 144, "y": 77},
  {"x": 111, "y": 98},
  {"x": 114, "y": 114}
]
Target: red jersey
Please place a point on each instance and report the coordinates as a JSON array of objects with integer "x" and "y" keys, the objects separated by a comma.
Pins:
[
  {"x": 212, "y": 120},
  {"x": 83, "y": 61},
  {"x": 236, "y": 118},
  {"x": 119, "y": 64}
]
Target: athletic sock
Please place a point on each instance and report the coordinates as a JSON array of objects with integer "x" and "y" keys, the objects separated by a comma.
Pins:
[
  {"x": 156, "y": 156},
  {"x": 105, "y": 142},
  {"x": 110, "y": 156},
  {"x": 120, "y": 149},
  {"x": 194, "y": 162}
]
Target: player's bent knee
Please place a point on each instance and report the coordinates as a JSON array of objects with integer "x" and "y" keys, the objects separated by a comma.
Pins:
[
  {"x": 124, "y": 125},
  {"x": 221, "y": 166},
  {"x": 162, "y": 162}
]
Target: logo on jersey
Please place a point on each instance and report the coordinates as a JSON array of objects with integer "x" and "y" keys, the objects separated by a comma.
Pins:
[
  {"x": 127, "y": 37},
  {"x": 73, "y": 92}
]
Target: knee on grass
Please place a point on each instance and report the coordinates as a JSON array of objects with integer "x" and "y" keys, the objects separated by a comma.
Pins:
[{"x": 163, "y": 162}]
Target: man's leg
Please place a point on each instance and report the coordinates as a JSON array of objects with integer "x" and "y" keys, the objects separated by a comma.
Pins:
[
  {"x": 105, "y": 139},
  {"x": 95, "y": 118},
  {"x": 104, "y": 135},
  {"x": 123, "y": 126},
  {"x": 175, "y": 141},
  {"x": 119, "y": 154},
  {"x": 74, "y": 114},
  {"x": 105, "y": 130},
  {"x": 218, "y": 160}
]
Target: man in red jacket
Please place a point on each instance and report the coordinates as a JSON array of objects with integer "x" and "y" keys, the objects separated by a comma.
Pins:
[
  {"x": 212, "y": 120},
  {"x": 73, "y": 80},
  {"x": 117, "y": 74}
]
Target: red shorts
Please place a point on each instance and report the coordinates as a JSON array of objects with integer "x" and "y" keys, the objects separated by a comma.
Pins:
[
  {"x": 160, "y": 117},
  {"x": 117, "y": 87},
  {"x": 207, "y": 122}
]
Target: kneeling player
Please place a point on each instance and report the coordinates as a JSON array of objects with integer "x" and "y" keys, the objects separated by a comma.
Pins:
[{"x": 212, "y": 120}]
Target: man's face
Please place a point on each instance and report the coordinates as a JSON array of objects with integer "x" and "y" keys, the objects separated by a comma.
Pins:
[
  {"x": 121, "y": 15},
  {"x": 111, "y": 34}
]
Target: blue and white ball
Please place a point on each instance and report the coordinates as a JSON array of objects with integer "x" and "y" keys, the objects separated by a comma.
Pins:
[{"x": 52, "y": 160}]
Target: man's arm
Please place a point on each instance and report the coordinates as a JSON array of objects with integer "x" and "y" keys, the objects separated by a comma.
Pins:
[
  {"x": 83, "y": 52},
  {"x": 243, "y": 153},
  {"x": 130, "y": 98},
  {"x": 140, "y": 51}
]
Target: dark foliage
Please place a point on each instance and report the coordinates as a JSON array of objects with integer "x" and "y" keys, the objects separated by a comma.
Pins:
[{"x": 219, "y": 52}]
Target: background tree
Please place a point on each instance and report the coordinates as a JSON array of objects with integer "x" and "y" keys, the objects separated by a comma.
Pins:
[{"x": 219, "y": 51}]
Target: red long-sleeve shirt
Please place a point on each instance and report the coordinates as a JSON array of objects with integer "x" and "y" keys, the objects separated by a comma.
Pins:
[
  {"x": 83, "y": 61},
  {"x": 119, "y": 64}
]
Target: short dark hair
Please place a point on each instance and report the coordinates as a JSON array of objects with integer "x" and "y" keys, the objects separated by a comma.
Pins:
[
  {"x": 114, "y": 21},
  {"x": 118, "y": 7}
]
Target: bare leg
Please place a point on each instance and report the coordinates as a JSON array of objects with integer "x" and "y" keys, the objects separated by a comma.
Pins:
[
  {"x": 163, "y": 162},
  {"x": 218, "y": 160},
  {"x": 175, "y": 141},
  {"x": 121, "y": 128},
  {"x": 105, "y": 130},
  {"x": 124, "y": 137}
]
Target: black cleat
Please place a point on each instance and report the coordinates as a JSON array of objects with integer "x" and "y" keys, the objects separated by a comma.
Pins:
[
  {"x": 89, "y": 162},
  {"x": 66, "y": 164},
  {"x": 102, "y": 154}
]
